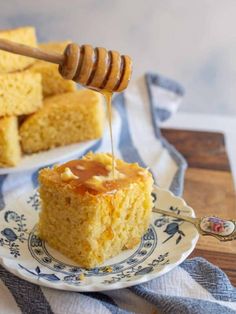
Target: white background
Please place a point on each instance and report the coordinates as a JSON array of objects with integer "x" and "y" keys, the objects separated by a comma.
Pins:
[{"x": 191, "y": 41}]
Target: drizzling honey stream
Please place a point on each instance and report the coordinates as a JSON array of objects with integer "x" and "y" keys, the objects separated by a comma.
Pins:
[
  {"x": 108, "y": 98},
  {"x": 104, "y": 71}
]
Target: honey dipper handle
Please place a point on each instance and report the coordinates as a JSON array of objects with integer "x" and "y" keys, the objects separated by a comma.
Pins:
[{"x": 32, "y": 52}]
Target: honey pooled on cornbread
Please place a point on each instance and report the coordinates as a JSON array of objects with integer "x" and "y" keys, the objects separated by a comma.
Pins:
[{"x": 87, "y": 214}]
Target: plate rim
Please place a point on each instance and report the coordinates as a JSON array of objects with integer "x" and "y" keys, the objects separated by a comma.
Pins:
[
  {"x": 76, "y": 150},
  {"x": 113, "y": 286}
]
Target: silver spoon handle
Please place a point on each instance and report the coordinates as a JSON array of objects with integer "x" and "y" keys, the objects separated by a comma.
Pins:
[{"x": 221, "y": 229}]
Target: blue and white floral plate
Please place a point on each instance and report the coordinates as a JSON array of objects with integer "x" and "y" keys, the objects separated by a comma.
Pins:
[{"x": 166, "y": 244}]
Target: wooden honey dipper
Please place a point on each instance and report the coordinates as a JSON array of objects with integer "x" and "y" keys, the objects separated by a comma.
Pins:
[{"x": 96, "y": 68}]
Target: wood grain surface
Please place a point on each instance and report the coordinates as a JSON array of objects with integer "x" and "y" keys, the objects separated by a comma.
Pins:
[{"x": 208, "y": 189}]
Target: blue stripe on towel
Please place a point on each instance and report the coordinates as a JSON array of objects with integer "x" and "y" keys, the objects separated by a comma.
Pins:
[
  {"x": 211, "y": 278},
  {"x": 177, "y": 184},
  {"x": 34, "y": 177},
  {"x": 2, "y": 202},
  {"x": 164, "y": 82},
  {"x": 179, "y": 305},
  {"x": 29, "y": 297}
]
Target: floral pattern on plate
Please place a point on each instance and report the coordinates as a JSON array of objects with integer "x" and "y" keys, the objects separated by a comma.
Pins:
[{"x": 166, "y": 243}]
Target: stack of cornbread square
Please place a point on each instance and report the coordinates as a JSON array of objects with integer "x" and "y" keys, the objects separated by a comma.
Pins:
[
  {"x": 38, "y": 108},
  {"x": 20, "y": 93}
]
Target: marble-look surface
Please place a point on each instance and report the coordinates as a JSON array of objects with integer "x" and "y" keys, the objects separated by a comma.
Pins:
[{"x": 191, "y": 41}]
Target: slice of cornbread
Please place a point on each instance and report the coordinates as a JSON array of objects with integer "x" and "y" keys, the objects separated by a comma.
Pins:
[
  {"x": 20, "y": 93},
  {"x": 64, "y": 119},
  {"x": 52, "y": 81},
  {"x": 10, "y": 62},
  {"x": 90, "y": 216},
  {"x": 10, "y": 151}
]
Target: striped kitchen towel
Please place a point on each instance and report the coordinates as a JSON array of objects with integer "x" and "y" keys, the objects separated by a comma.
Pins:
[{"x": 195, "y": 286}]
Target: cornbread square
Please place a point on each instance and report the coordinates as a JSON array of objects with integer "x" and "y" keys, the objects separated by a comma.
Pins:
[
  {"x": 10, "y": 152},
  {"x": 64, "y": 119},
  {"x": 88, "y": 215},
  {"x": 10, "y": 62},
  {"x": 53, "y": 82},
  {"x": 20, "y": 93}
]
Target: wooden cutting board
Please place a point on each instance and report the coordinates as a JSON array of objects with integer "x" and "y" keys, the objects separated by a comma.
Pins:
[{"x": 209, "y": 189}]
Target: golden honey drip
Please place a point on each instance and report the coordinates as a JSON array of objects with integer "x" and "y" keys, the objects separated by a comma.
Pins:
[
  {"x": 108, "y": 98},
  {"x": 102, "y": 70}
]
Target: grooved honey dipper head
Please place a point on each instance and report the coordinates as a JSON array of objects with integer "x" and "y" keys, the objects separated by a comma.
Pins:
[{"x": 96, "y": 67}]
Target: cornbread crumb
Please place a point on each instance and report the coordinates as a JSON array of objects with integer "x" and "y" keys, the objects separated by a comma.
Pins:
[
  {"x": 91, "y": 223},
  {"x": 108, "y": 269},
  {"x": 10, "y": 152},
  {"x": 110, "y": 176},
  {"x": 109, "y": 167},
  {"x": 53, "y": 83},
  {"x": 64, "y": 119},
  {"x": 20, "y": 93},
  {"x": 68, "y": 175},
  {"x": 10, "y": 62},
  {"x": 80, "y": 167},
  {"x": 131, "y": 243},
  {"x": 143, "y": 172},
  {"x": 111, "y": 192}
]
